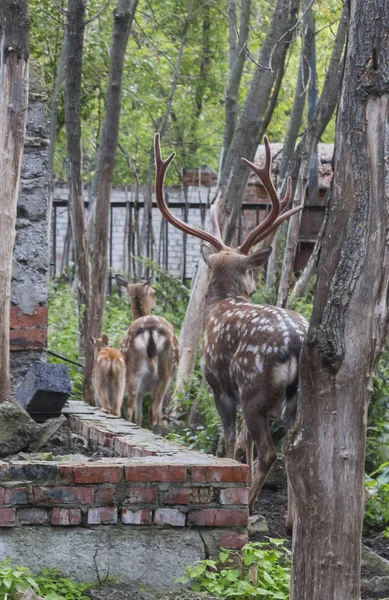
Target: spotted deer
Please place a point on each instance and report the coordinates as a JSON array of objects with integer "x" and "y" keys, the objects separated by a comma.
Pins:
[
  {"x": 109, "y": 376},
  {"x": 150, "y": 350},
  {"x": 251, "y": 353}
]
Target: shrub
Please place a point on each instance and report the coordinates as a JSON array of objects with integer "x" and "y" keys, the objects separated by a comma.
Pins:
[
  {"x": 50, "y": 583},
  {"x": 261, "y": 570}
]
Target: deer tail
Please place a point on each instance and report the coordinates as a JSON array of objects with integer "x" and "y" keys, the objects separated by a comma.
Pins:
[{"x": 151, "y": 346}]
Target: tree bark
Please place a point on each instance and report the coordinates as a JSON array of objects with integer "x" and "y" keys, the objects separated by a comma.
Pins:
[
  {"x": 349, "y": 324},
  {"x": 75, "y": 34},
  {"x": 246, "y": 135},
  {"x": 303, "y": 155},
  {"x": 14, "y": 53},
  {"x": 237, "y": 60},
  {"x": 53, "y": 126},
  {"x": 123, "y": 18}
]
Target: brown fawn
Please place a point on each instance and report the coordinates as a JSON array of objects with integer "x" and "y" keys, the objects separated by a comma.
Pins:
[
  {"x": 251, "y": 353},
  {"x": 150, "y": 350},
  {"x": 109, "y": 376}
]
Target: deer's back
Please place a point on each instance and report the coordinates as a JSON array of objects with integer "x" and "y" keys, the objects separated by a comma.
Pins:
[
  {"x": 246, "y": 344},
  {"x": 150, "y": 342}
]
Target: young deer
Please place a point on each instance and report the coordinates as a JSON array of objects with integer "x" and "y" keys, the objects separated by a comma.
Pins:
[
  {"x": 251, "y": 353},
  {"x": 150, "y": 349},
  {"x": 109, "y": 376}
]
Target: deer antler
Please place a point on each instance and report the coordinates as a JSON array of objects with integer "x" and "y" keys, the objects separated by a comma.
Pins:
[
  {"x": 161, "y": 168},
  {"x": 276, "y": 215}
]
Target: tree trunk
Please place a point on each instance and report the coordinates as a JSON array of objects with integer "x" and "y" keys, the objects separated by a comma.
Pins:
[
  {"x": 75, "y": 35},
  {"x": 237, "y": 60},
  {"x": 327, "y": 449},
  {"x": 14, "y": 52},
  {"x": 123, "y": 17},
  {"x": 246, "y": 135},
  {"x": 53, "y": 126},
  {"x": 303, "y": 155}
]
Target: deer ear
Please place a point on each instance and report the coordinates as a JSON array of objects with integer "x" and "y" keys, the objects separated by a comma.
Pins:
[
  {"x": 105, "y": 340},
  {"x": 258, "y": 258},
  {"x": 121, "y": 281},
  {"x": 207, "y": 252}
]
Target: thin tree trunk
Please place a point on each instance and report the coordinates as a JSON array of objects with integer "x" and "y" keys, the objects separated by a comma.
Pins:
[
  {"x": 75, "y": 32},
  {"x": 246, "y": 135},
  {"x": 301, "y": 285},
  {"x": 123, "y": 18},
  {"x": 14, "y": 53},
  {"x": 53, "y": 126},
  {"x": 162, "y": 126},
  {"x": 348, "y": 327},
  {"x": 237, "y": 60},
  {"x": 303, "y": 155}
]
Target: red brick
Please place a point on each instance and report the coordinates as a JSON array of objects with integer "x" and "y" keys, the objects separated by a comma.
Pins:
[
  {"x": 233, "y": 540},
  {"x": 220, "y": 474},
  {"x": 100, "y": 435},
  {"x": 140, "y": 495},
  {"x": 33, "y": 516},
  {"x": 188, "y": 495},
  {"x": 64, "y": 495},
  {"x": 19, "y": 320},
  {"x": 2, "y": 494},
  {"x": 66, "y": 474},
  {"x": 151, "y": 473},
  {"x": 102, "y": 515},
  {"x": 139, "y": 517},
  {"x": 105, "y": 495},
  {"x": 169, "y": 516},
  {"x": 234, "y": 496},
  {"x": 7, "y": 517},
  {"x": 97, "y": 474},
  {"x": 16, "y": 496},
  {"x": 27, "y": 339},
  {"x": 218, "y": 517},
  {"x": 66, "y": 516}
]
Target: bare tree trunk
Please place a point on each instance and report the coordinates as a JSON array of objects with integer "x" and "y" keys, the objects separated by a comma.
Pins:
[
  {"x": 75, "y": 34},
  {"x": 123, "y": 17},
  {"x": 327, "y": 449},
  {"x": 245, "y": 140},
  {"x": 303, "y": 155},
  {"x": 162, "y": 126},
  {"x": 14, "y": 53},
  {"x": 301, "y": 285},
  {"x": 53, "y": 126},
  {"x": 237, "y": 60},
  {"x": 294, "y": 125}
]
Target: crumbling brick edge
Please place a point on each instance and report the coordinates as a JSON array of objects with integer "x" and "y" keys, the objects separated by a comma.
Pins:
[{"x": 150, "y": 482}]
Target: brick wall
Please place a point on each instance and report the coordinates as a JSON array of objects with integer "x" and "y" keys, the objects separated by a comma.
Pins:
[{"x": 150, "y": 482}]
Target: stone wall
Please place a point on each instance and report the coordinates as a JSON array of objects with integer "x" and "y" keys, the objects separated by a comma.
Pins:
[
  {"x": 29, "y": 291},
  {"x": 151, "y": 494}
]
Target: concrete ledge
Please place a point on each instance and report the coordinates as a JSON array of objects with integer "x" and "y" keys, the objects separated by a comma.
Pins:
[{"x": 134, "y": 555}]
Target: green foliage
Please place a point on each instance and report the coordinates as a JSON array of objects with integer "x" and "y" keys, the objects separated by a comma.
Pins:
[
  {"x": 377, "y": 507},
  {"x": 262, "y": 570},
  {"x": 50, "y": 583},
  {"x": 377, "y": 443},
  {"x": 204, "y": 435},
  {"x": 171, "y": 295}
]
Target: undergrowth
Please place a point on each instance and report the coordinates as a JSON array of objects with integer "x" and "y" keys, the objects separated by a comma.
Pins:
[
  {"x": 50, "y": 583},
  {"x": 260, "y": 570}
]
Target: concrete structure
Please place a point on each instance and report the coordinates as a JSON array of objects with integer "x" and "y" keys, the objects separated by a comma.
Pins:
[
  {"x": 29, "y": 291},
  {"x": 145, "y": 514}
]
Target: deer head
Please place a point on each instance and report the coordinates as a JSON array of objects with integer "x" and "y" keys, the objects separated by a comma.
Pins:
[
  {"x": 230, "y": 268},
  {"x": 100, "y": 343},
  {"x": 142, "y": 295}
]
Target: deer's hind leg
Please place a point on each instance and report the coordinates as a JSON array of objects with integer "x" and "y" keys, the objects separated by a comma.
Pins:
[
  {"x": 226, "y": 406},
  {"x": 257, "y": 423}
]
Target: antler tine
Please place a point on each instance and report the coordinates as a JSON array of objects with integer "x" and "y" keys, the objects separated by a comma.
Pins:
[
  {"x": 278, "y": 222},
  {"x": 161, "y": 168},
  {"x": 276, "y": 206}
]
